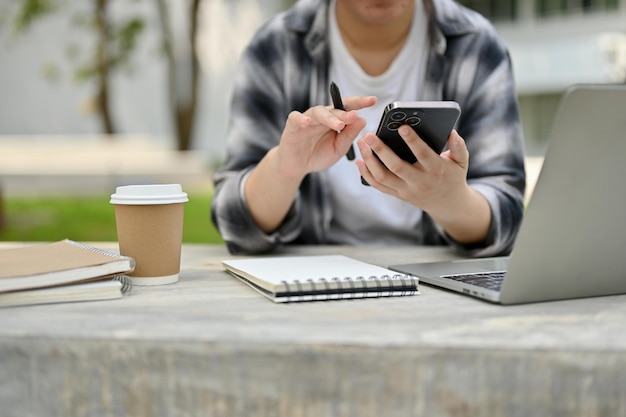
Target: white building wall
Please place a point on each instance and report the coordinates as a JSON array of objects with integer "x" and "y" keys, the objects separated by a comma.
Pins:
[
  {"x": 32, "y": 105},
  {"x": 548, "y": 55}
]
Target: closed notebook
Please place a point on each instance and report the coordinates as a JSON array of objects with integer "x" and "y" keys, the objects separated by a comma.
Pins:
[
  {"x": 313, "y": 278},
  {"x": 103, "y": 289},
  {"x": 58, "y": 263}
]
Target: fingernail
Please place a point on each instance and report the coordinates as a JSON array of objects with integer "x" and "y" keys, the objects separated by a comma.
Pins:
[
  {"x": 455, "y": 137},
  {"x": 456, "y": 140}
]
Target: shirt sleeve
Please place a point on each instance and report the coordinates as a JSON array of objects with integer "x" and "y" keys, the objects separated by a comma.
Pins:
[
  {"x": 491, "y": 127},
  {"x": 255, "y": 126}
]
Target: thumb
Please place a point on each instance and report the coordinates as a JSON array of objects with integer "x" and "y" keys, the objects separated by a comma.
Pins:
[{"x": 458, "y": 150}]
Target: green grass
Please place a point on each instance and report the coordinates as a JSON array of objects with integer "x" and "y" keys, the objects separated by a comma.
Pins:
[{"x": 90, "y": 219}]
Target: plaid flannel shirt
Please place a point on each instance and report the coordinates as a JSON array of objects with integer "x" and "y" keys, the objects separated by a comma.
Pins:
[{"x": 285, "y": 68}]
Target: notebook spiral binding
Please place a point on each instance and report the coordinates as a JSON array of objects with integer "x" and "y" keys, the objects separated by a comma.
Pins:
[
  {"x": 127, "y": 284},
  {"x": 337, "y": 288},
  {"x": 100, "y": 251},
  {"x": 92, "y": 249}
]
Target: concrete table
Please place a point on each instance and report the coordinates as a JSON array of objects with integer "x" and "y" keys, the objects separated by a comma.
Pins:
[{"x": 211, "y": 346}]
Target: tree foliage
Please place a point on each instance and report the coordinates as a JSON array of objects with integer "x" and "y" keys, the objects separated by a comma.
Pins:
[{"x": 116, "y": 43}]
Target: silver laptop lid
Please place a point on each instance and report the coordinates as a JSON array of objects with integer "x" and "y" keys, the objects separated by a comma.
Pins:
[{"x": 573, "y": 239}]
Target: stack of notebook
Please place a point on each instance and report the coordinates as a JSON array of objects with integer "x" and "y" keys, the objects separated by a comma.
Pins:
[{"x": 62, "y": 271}]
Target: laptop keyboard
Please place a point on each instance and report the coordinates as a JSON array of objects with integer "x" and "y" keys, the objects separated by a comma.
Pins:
[{"x": 490, "y": 280}]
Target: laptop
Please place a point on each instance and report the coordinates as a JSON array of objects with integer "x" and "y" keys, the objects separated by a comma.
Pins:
[{"x": 572, "y": 241}]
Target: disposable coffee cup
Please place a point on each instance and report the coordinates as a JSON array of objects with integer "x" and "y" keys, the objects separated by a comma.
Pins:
[{"x": 149, "y": 221}]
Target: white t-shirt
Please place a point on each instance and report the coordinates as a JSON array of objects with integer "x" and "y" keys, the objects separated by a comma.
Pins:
[{"x": 363, "y": 214}]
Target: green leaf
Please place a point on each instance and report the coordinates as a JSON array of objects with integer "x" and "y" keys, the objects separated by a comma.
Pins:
[
  {"x": 126, "y": 38},
  {"x": 31, "y": 11}
]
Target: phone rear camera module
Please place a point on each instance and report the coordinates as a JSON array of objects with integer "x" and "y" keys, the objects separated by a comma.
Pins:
[
  {"x": 394, "y": 125},
  {"x": 398, "y": 115},
  {"x": 413, "y": 121}
]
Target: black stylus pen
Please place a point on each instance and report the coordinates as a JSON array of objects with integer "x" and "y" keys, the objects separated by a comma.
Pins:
[{"x": 335, "y": 95}]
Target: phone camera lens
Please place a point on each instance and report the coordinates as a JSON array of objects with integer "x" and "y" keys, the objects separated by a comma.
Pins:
[
  {"x": 398, "y": 115},
  {"x": 413, "y": 121},
  {"x": 394, "y": 125}
]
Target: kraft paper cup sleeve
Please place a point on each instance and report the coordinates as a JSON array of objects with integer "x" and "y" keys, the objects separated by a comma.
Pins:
[{"x": 149, "y": 222}]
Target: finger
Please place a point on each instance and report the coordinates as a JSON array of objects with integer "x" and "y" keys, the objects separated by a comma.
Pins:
[
  {"x": 371, "y": 180},
  {"x": 383, "y": 164},
  {"x": 352, "y": 129},
  {"x": 359, "y": 102},
  {"x": 424, "y": 154},
  {"x": 296, "y": 121},
  {"x": 332, "y": 118},
  {"x": 346, "y": 136},
  {"x": 388, "y": 158},
  {"x": 458, "y": 149}
]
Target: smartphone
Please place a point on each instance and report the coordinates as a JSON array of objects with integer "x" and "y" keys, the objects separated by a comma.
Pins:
[{"x": 432, "y": 120}]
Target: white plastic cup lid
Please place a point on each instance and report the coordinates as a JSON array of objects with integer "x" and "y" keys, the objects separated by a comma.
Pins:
[{"x": 149, "y": 194}]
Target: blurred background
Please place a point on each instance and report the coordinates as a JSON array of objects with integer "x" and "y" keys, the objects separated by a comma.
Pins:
[{"x": 101, "y": 93}]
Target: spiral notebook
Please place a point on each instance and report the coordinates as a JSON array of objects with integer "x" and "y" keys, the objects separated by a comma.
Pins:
[
  {"x": 105, "y": 288},
  {"x": 317, "y": 278}
]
